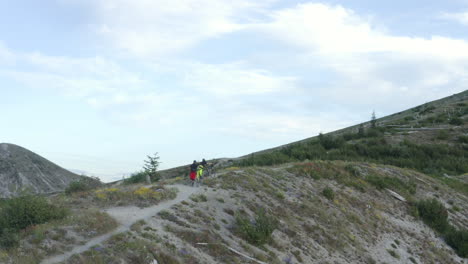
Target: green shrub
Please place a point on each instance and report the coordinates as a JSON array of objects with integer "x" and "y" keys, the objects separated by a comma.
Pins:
[
  {"x": 8, "y": 238},
  {"x": 456, "y": 121},
  {"x": 137, "y": 177},
  {"x": 458, "y": 240},
  {"x": 83, "y": 184},
  {"x": 19, "y": 213},
  {"x": 463, "y": 139},
  {"x": 328, "y": 193},
  {"x": 257, "y": 232},
  {"x": 330, "y": 142},
  {"x": 76, "y": 186},
  {"x": 434, "y": 214}
]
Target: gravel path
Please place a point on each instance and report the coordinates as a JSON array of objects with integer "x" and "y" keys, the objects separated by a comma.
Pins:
[{"x": 126, "y": 216}]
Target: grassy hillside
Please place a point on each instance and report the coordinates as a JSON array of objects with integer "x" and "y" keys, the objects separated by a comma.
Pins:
[
  {"x": 432, "y": 138},
  {"x": 312, "y": 212}
]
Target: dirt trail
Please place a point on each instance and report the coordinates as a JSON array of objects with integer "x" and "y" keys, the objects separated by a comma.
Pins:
[{"x": 126, "y": 216}]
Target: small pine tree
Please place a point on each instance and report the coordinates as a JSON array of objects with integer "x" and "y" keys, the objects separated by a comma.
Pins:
[
  {"x": 151, "y": 166},
  {"x": 373, "y": 120}
]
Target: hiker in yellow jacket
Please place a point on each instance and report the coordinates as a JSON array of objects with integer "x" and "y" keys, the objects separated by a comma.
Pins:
[{"x": 200, "y": 172}]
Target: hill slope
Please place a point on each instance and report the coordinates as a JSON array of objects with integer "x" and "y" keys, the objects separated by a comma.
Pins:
[
  {"x": 313, "y": 212},
  {"x": 21, "y": 169},
  {"x": 430, "y": 116},
  {"x": 432, "y": 138}
]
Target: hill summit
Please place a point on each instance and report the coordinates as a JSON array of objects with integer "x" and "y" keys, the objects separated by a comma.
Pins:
[{"x": 23, "y": 170}]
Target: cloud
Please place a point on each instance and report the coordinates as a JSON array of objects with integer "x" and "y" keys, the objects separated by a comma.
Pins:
[
  {"x": 371, "y": 65},
  {"x": 368, "y": 66},
  {"x": 235, "y": 79},
  {"x": 461, "y": 17},
  {"x": 152, "y": 29},
  {"x": 335, "y": 30}
]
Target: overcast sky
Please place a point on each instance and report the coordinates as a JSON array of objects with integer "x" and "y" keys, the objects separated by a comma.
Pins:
[{"x": 96, "y": 85}]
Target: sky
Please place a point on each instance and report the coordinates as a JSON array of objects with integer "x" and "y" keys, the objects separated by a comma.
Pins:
[{"x": 97, "y": 85}]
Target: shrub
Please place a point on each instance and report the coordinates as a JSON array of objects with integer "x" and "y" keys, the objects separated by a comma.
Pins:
[
  {"x": 136, "y": 178},
  {"x": 19, "y": 213},
  {"x": 76, "y": 186},
  {"x": 8, "y": 238},
  {"x": 330, "y": 142},
  {"x": 427, "y": 158},
  {"x": 83, "y": 184},
  {"x": 199, "y": 198},
  {"x": 328, "y": 193},
  {"x": 458, "y": 240},
  {"x": 463, "y": 139},
  {"x": 434, "y": 214},
  {"x": 257, "y": 232},
  {"x": 456, "y": 121}
]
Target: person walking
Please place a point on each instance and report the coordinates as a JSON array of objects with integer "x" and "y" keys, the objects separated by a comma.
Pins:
[
  {"x": 193, "y": 172},
  {"x": 200, "y": 173}
]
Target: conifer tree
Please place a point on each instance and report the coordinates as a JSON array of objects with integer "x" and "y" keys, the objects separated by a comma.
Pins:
[
  {"x": 373, "y": 120},
  {"x": 151, "y": 166}
]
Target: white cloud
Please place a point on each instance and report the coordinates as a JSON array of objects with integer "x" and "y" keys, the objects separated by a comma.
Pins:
[
  {"x": 461, "y": 17},
  {"x": 335, "y": 30},
  {"x": 155, "y": 28},
  {"x": 79, "y": 77},
  {"x": 371, "y": 65},
  {"x": 235, "y": 79}
]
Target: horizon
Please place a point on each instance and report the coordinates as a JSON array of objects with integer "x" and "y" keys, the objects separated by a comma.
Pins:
[{"x": 96, "y": 86}]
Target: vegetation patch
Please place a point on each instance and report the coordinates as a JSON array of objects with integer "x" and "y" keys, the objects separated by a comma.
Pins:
[
  {"x": 328, "y": 193},
  {"x": 256, "y": 231},
  {"x": 19, "y": 213},
  {"x": 435, "y": 215},
  {"x": 141, "y": 196},
  {"x": 199, "y": 198},
  {"x": 83, "y": 184},
  {"x": 383, "y": 182},
  {"x": 369, "y": 146}
]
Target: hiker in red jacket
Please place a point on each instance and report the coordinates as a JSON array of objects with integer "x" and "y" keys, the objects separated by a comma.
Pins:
[{"x": 193, "y": 172}]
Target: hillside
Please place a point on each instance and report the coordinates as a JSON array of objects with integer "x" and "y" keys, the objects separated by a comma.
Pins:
[
  {"x": 431, "y": 138},
  {"x": 421, "y": 120},
  {"x": 317, "y": 212},
  {"x": 392, "y": 192},
  {"x": 23, "y": 170}
]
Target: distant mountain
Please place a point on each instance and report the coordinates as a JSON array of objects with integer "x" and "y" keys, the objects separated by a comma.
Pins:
[{"x": 22, "y": 170}]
